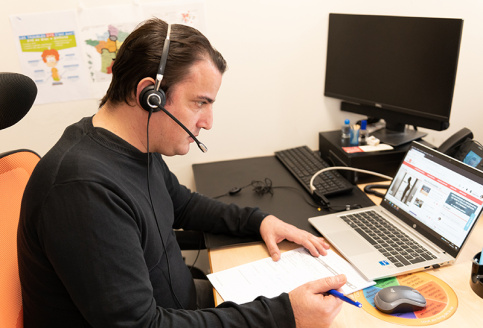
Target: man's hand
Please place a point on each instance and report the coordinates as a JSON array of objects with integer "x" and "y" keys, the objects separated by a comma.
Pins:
[
  {"x": 274, "y": 230},
  {"x": 311, "y": 308}
]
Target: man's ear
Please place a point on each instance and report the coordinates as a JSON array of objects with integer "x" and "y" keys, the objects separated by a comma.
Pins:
[{"x": 144, "y": 83}]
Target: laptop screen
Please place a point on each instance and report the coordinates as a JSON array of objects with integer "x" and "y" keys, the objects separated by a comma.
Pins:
[{"x": 436, "y": 195}]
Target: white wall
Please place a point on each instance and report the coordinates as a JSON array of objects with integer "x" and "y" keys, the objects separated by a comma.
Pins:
[{"x": 272, "y": 95}]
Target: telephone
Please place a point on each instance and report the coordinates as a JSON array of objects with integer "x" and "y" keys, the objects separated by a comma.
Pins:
[{"x": 462, "y": 147}]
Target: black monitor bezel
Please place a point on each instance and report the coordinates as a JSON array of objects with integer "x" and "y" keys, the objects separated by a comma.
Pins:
[{"x": 390, "y": 112}]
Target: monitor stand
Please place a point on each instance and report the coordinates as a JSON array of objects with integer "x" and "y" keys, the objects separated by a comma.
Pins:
[{"x": 397, "y": 138}]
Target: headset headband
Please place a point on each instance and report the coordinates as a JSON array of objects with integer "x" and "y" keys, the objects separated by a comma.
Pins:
[{"x": 164, "y": 59}]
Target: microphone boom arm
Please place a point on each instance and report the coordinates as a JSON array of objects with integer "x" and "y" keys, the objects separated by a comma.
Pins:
[{"x": 201, "y": 146}]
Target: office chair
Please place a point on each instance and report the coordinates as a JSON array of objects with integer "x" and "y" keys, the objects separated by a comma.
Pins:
[
  {"x": 17, "y": 94},
  {"x": 15, "y": 170}
]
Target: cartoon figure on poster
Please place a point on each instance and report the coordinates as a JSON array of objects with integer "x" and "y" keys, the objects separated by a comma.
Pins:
[{"x": 51, "y": 58}]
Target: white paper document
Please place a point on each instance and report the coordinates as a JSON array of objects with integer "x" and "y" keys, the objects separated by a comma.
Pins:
[{"x": 267, "y": 278}]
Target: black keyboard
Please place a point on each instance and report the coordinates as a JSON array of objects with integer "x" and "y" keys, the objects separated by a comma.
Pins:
[
  {"x": 391, "y": 242},
  {"x": 303, "y": 163}
]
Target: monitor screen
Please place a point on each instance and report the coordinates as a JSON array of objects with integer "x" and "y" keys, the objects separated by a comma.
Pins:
[{"x": 401, "y": 69}]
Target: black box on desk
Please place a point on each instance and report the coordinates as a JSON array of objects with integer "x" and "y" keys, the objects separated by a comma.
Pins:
[{"x": 386, "y": 161}]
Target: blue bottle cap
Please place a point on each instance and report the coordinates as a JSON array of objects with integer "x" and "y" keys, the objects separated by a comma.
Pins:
[
  {"x": 363, "y": 124},
  {"x": 347, "y": 121}
]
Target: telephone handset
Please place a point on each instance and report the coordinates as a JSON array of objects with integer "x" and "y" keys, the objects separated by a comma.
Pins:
[
  {"x": 462, "y": 147},
  {"x": 451, "y": 145}
]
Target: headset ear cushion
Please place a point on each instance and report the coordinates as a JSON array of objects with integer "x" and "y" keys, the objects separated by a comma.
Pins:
[{"x": 149, "y": 96}]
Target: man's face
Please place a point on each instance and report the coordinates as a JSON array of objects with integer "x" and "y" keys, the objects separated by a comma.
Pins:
[{"x": 191, "y": 102}]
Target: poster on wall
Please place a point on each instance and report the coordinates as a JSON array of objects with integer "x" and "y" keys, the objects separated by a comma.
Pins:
[
  {"x": 191, "y": 13},
  {"x": 69, "y": 54},
  {"x": 104, "y": 29},
  {"x": 102, "y": 32},
  {"x": 50, "y": 55}
]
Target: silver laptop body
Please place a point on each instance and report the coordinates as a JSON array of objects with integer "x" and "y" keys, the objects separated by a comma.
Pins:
[{"x": 434, "y": 199}]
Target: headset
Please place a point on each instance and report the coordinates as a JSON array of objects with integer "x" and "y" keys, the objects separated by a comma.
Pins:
[{"x": 153, "y": 99}]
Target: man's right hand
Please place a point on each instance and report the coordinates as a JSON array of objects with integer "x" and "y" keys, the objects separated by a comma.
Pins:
[{"x": 311, "y": 308}]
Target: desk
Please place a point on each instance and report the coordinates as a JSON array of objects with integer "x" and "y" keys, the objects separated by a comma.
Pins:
[
  {"x": 288, "y": 202},
  {"x": 457, "y": 276}
]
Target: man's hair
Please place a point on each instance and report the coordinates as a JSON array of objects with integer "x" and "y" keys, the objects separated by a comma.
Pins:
[{"x": 140, "y": 54}]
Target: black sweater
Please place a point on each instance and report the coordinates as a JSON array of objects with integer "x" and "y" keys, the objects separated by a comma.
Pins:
[{"x": 94, "y": 249}]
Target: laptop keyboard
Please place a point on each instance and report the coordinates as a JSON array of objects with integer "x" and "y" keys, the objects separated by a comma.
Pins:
[{"x": 391, "y": 242}]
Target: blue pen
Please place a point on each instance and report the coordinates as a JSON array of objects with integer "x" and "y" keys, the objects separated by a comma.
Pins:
[{"x": 338, "y": 294}]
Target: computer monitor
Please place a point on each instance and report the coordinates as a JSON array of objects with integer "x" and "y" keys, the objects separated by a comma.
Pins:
[{"x": 400, "y": 69}]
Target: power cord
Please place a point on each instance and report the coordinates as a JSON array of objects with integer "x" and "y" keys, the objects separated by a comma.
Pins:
[
  {"x": 370, "y": 189},
  {"x": 312, "y": 188}
]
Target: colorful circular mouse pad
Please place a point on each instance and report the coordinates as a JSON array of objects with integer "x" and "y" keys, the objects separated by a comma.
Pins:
[{"x": 441, "y": 300}]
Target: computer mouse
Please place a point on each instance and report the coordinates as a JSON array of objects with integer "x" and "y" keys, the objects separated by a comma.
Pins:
[{"x": 399, "y": 299}]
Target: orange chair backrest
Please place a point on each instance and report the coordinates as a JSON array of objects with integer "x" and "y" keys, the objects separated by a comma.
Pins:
[{"x": 15, "y": 170}]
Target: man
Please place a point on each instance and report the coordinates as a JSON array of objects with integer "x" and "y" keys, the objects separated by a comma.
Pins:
[{"x": 96, "y": 243}]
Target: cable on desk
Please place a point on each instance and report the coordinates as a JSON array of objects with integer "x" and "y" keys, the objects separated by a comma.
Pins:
[
  {"x": 260, "y": 187},
  {"x": 312, "y": 188},
  {"x": 266, "y": 187}
]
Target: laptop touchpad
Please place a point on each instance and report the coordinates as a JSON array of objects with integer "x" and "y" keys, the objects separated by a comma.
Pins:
[{"x": 351, "y": 243}]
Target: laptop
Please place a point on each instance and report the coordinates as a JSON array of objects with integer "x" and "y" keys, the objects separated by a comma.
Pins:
[{"x": 433, "y": 200}]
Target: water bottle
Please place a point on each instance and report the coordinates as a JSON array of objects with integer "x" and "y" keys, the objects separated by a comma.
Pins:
[
  {"x": 363, "y": 133},
  {"x": 346, "y": 128}
]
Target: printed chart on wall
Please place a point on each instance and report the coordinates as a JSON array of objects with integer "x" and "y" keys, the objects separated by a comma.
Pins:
[
  {"x": 102, "y": 32},
  {"x": 102, "y": 44},
  {"x": 49, "y": 54},
  {"x": 442, "y": 301}
]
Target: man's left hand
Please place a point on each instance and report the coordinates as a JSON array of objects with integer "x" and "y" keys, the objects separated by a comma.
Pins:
[{"x": 274, "y": 230}]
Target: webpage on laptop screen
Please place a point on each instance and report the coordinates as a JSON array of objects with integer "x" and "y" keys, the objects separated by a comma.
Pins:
[{"x": 443, "y": 200}]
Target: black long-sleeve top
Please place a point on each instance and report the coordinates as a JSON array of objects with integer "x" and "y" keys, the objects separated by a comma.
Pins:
[{"x": 94, "y": 244}]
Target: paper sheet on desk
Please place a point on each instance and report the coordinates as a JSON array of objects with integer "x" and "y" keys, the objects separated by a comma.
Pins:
[{"x": 267, "y": 278}]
